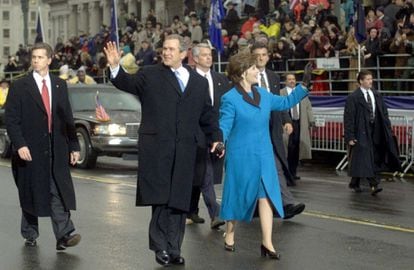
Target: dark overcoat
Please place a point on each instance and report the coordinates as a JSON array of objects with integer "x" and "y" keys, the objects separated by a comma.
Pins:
[
  {"x": 277, "y": 120},
  {"x": 221, "y": 85},
  {"x": 168, "y": 134},
  {"x": 27, "y": 125},
  {"x": 357, "y": 127}
]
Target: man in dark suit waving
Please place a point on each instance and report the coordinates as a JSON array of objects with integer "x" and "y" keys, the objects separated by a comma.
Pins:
[
  {"x": 278, "y": 121},
  {"x": 209, "y": 168},
  {"x": 42, "y": 131},
  {"x": 175, "y": 104}
]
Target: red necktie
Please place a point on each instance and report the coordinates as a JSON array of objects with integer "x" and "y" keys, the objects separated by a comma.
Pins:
[{"x": 46, "y": 102}]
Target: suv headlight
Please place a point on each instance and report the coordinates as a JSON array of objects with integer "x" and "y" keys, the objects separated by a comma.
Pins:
[{"x": 110, "y": 129}]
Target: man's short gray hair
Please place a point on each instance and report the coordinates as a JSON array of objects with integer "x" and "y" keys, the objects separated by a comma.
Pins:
[{"x": 196, "y": 48}]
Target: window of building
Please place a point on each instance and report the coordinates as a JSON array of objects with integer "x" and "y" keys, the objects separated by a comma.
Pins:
[
  {"x": 6, "y": 33},
  {"x": 6, "y": 51},
  {"x": 33, "y": 16},
  {"x": 6, "y": 2},
  {"x": 6, "y": 16}
]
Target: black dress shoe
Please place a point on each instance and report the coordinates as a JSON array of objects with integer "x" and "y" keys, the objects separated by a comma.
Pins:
[
  {"x": 162, "y": 257},
  {"x": 228, "y": 247},
  {"x": 68, "y": 241},
  {"x": 196, "y": 218},
  {"x": 178, "y": 260},
  {"x": 291, "y": 183},
  {"x": 375, "y": 190},
  {"x": 296, "y": 177},
  {"x": 216, "y": 223},
  {"x": 292, "y": 210},
  {"x": 271, "y": 254},
  {"x": 30, "y": 242}
]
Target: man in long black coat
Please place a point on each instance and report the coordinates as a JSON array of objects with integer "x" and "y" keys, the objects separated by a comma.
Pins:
[
  {"x": 209, "y": 168},
  {"x": 175, "y": 105},
  {"x": 369, "y": 136},
  {"x": 279, "y": 120},
  {"x": 42, "y": 131}
]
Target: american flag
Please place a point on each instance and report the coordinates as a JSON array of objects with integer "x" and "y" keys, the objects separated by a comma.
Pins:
[{"x": 100, "y": 112}]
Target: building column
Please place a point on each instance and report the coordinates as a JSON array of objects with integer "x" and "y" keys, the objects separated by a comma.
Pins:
[
  {"x": 72, "y": 21},
  {"x": 145, "y": 6},
  {"x": 132, "y": 7},
  {"x": 83, "y": 25},
  {"x": 94, "y": 19},
  {"x": 106, "y": 12},
  {"x": 161, "y": 12}
]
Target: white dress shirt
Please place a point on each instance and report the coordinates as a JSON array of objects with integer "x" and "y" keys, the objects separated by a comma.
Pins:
[
  {"x": 289, "y": 90},
  {"x": 259, "y": 80},
  {"x": 210, "y": 82},
  {"x": 369, "y": 92}
]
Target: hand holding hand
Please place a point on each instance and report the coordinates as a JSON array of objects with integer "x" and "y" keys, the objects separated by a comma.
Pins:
[{"x": 218, "y": 148}]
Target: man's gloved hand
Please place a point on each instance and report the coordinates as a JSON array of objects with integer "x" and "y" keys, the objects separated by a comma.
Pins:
[{"x": 307, "y": 75}]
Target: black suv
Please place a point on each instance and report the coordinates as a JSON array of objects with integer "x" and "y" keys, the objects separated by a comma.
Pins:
[{"x": 115, "y": 136}]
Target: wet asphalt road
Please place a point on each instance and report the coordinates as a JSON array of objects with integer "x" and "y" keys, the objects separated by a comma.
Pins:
[{"x": 338, "y": 230}]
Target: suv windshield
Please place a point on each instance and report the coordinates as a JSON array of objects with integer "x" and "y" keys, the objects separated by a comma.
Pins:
[{"x": 83, "y": 99}]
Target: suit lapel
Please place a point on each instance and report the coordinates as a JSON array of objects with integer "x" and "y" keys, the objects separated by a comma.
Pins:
[
  {"x": 34, "y": 91},
  {"x": 55, "y": 92},
  {"x": 171, "y": 79}
]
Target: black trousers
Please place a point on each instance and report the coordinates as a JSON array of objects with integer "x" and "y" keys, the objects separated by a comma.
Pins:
[
  {"x": 207, "y": 189},
  {"x": 287, "y": 197},
  {"x": 166, "y": 229},
  {"x": 293, "y": 147},
  {"x": 60, "y": 217}
]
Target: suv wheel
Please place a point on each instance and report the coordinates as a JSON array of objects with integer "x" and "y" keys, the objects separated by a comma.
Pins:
[{"x": 88, "y": 156}]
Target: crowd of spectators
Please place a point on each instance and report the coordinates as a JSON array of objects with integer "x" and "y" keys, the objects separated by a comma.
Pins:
[{"x": 297, "y": 30}]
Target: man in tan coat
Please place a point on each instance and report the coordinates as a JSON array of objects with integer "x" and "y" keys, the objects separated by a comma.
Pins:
[{"x": 298, "y": 142}]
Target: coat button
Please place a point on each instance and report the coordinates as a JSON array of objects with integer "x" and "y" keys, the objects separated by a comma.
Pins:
[
  {"x": 177, "y": 140},
  {"x": 46, "y": 152}
]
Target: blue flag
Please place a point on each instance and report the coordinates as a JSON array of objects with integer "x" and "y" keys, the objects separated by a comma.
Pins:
[
  {"x": 359, "y": 22},
  {"x": 214, "y": 30},
  {"x": 114, "y": 24},
  {"x": 39, "y": 32}
]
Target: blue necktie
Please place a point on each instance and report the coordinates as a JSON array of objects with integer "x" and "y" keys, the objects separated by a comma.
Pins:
[{"x": 180, "y": 82}]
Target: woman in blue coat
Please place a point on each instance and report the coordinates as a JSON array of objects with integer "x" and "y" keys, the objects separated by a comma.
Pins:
[{"x": 250, "y": 171}]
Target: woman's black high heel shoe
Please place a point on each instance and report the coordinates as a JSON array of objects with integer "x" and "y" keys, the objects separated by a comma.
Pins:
[
  {"x": 228, "y": 247},
  {"x": 272, "y": 254}
]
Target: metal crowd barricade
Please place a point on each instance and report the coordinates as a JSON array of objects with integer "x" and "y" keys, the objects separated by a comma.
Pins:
[
  {"x": 328, "y": 135},
  {"x": 410, "y": 148}
]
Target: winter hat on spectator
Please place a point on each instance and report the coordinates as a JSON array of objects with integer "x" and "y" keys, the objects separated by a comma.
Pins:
[
  {"x": 64, "y": 72},
  {"x": 381, "y": 9},
  {"x": 229, "y": 2}
]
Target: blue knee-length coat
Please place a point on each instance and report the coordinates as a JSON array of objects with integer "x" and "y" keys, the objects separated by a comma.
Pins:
[{"x": 249, "y": 159}]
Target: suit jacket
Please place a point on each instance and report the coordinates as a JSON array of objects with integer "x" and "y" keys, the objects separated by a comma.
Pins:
[
  {"x": 356, "y": 127},
  {"x": 27, "y": 125},
  {"x": 168, "y": 136},
  {"x": 221, "y": 85},
  {"x": 306, "y": 119},
  {"x": 277, "y": 120}
]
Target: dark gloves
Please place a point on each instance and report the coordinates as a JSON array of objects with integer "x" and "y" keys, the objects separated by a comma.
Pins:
[{"x": 307, "y": 75}]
